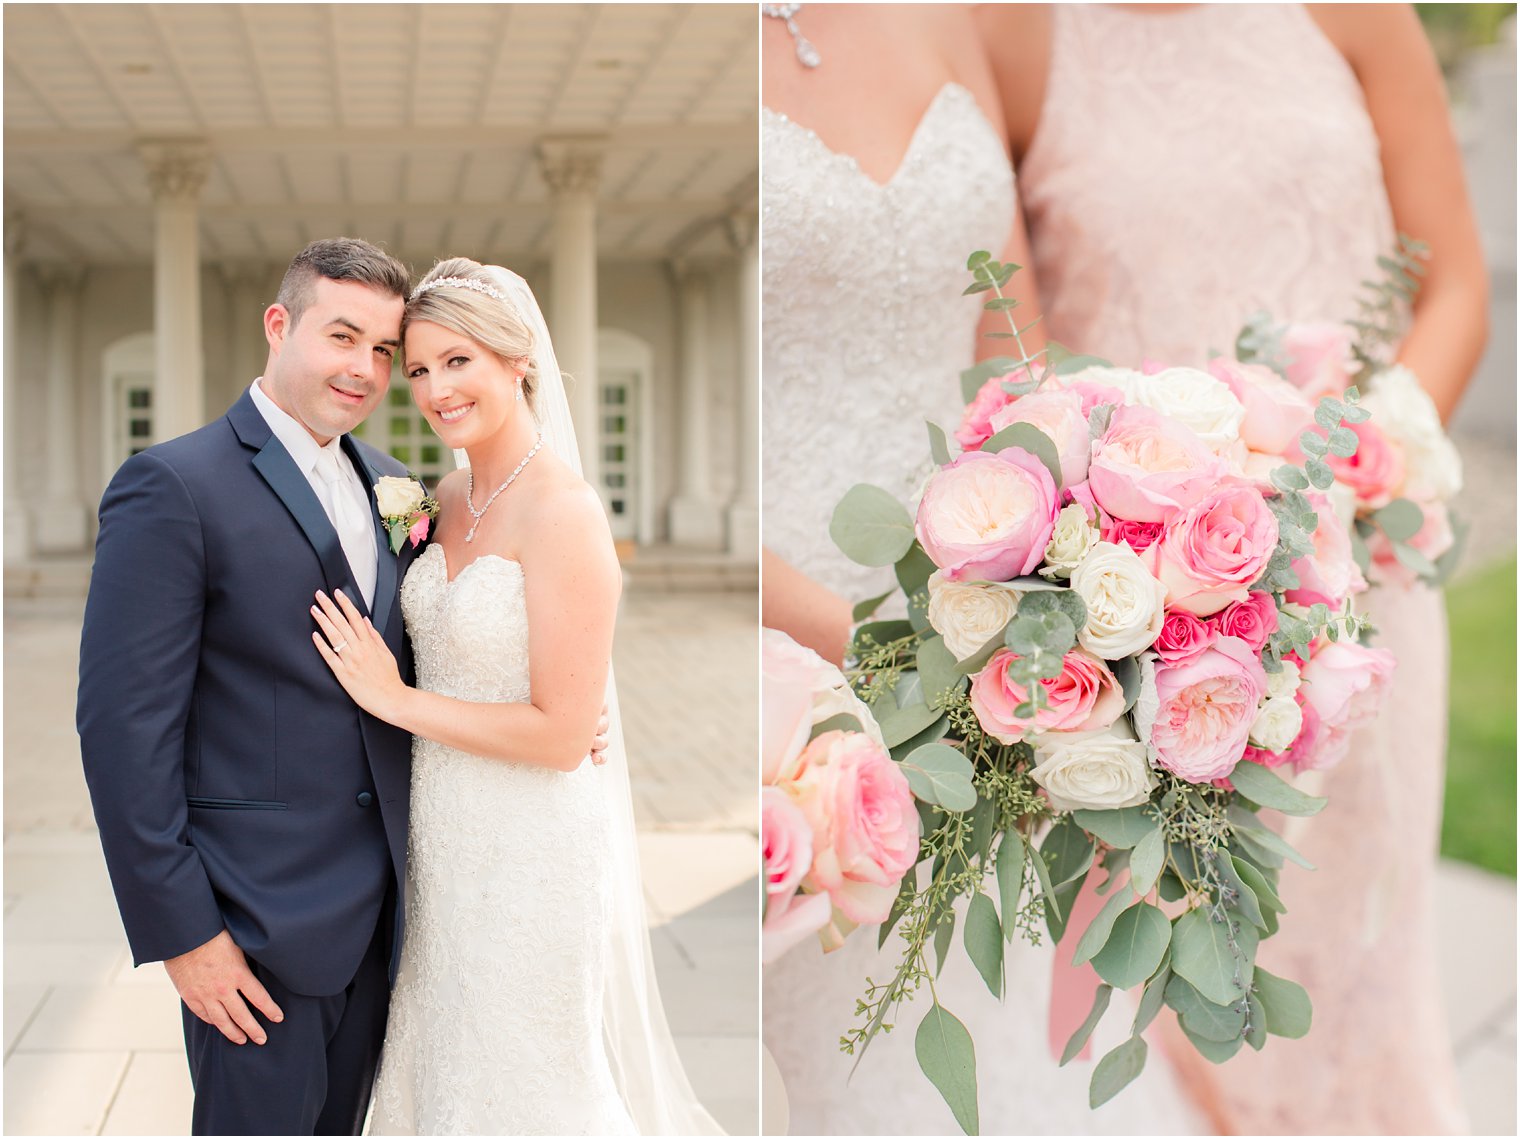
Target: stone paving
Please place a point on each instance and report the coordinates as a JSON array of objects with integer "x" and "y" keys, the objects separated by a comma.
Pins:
[{"x": 93, "y": 1046}]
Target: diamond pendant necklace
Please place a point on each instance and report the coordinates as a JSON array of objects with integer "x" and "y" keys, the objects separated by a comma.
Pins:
[
  {"x": 807, "y": 54},
  {"x": 469, "y": 493}
]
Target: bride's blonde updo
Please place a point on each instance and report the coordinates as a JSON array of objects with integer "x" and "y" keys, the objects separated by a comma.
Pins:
[{"x": 489, "y": 321}]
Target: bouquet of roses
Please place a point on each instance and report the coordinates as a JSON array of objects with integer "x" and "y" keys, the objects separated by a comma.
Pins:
[{"x": 1126, "y": 611}]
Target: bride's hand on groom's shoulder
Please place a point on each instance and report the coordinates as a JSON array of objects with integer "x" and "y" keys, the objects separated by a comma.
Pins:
[{"x": 358, "y": 656}]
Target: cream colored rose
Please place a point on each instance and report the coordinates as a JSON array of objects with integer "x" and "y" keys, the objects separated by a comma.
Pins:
[
  {"x": 968, "y": 614},
  {"x": 1403, "y": 412},
  {"x": 1277, "y": 723},
  {"x": 1284, "y": 683},
  {"x": 1125, "y": 603},
  {"x": 397, "y": 497},
  {"x": 1196, "y": 399},
  {"x": 1096, "y": 771},
  {"x": 1070, "y": 542}
]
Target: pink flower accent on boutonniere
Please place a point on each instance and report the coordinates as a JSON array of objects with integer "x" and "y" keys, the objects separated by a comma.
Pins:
[
  {"x": 419, "y": 530},
  {"x": 405, "y": 509}
]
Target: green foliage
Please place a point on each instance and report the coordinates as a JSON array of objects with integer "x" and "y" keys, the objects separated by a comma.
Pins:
[
  {"x": 1116, "y": 1070},
  {"x": 948, "y": 1058},
  {"x": 1079, "y": 1038},
  {"x": 939, "y": 774},
  {"x": 1384, "y": 306},
  {"x": 871, "y": 526}
]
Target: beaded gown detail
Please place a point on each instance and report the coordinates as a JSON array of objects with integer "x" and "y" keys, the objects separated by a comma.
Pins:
[
  {"x": 1252, "y": 180},
  {"x": 865, "y": 334},
  {"x": 496, "y": 1020}
]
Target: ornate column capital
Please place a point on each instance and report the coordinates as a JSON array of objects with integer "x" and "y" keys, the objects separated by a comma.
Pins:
[
  {"x": 176, "y": 168},
  {"x": 571, "y": 164}
]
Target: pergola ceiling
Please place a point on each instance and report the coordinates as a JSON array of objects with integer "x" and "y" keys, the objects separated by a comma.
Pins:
[{"x": 414, "y": 125}]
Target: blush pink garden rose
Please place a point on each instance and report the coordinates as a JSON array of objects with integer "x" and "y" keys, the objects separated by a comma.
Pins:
[
  {"x": 988, "y": 517},
  {"x": 1213, "y": 551},
  {"x": 976, "y": 422},
  {"x": 786, "y": 845},
  {"x": 1252, "y": 620},
  {"x": 1375, "y": 472},
  {"x": 1183, "y": 636},
  {"x": 1084, "y": 698},
  {"x": 1346, "y": 684},
  {"x": 1205, "y": 708},
  {"x": 1059, "y": 415},
  {"x": 1276, "y": 411},
  {"x": 1329, "y": 574},
  {"x": 1320, "y": 360},
  {"x": 865, "y": 826},
  {"x": 1146, "y": 467}
]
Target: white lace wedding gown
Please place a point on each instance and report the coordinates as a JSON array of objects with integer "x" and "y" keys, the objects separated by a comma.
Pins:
[
  {"x": 496, "y": 1019},
  {"x": 865, "y": 333}
]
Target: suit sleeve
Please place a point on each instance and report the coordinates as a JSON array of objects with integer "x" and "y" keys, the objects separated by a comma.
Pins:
[{"x": 137, "y": 670}]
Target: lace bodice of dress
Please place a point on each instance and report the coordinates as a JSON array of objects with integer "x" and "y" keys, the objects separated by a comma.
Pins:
[
  {"x": 1193, "y": 167},
  {"x": 495, "y": 1025},
  {"x": 865, "y": 330}
]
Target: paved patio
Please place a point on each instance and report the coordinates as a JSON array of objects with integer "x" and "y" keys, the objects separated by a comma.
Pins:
[{"x": 94, "y": 1047}]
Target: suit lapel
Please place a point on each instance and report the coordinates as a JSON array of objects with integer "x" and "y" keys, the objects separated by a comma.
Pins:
[
  {"x": 386, "y": 564},
  {"x": 279, "y": 470}
]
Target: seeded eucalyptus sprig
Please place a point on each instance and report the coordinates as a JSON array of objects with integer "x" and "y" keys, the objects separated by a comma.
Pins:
[{"x": 1386, "y": 302}]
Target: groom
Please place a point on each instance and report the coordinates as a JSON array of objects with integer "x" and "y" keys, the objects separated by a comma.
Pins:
[{"x": 254, "y": 820}]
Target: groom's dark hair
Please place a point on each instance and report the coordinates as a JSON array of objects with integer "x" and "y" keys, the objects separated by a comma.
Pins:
[{"x": 339, "y": 259}]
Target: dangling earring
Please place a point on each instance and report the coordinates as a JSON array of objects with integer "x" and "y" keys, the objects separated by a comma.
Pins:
[{"x": 519, "y": 389}]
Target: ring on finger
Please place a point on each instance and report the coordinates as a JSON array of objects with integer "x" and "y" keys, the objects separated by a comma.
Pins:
[{"x": 340, "y": 646}]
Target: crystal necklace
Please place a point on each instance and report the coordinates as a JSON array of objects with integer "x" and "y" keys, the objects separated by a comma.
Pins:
[
  {"x": 807, "y": 54},
  {"x": 469, "y": 493}
]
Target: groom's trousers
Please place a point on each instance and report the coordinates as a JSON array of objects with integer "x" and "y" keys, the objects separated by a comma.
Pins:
[{"x": 315, "y": 1073}]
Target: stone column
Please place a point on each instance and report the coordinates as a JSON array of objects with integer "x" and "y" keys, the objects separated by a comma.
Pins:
[
  {"x": 176, "y": 172},
  {"x": 18, "y": 541},
  {"x": 744, "y": 511},
  {"x": 246, "y": 349},
  {"x": 572, "y": 167},
  {"x": 59, "y": 522},
  {"x": 695, "y": 519}
]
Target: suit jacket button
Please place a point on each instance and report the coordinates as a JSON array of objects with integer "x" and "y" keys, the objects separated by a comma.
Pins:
[{"x": 366, "y": 799}]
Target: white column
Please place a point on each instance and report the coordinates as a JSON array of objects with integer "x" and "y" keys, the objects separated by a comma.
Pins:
[
  {"x": 695, "y": 519},
  {"x": 572, "y": 167},
  {"x": 18, "y": 542},
  {"x": 176, "y": 172},
  {"x": 247, "y": 350},
  {"x": 744, "y": 511},
  {"x": 59, "y": 522}
]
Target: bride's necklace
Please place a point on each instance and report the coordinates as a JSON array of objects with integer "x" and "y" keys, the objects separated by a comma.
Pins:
[
  {"x": 807, "y": 54},
  {"x": 469, "y": 493}
]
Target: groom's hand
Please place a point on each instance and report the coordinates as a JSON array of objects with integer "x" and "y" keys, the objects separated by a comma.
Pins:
[
  {"x": 213, "y": 979},
  {"x": 599, "y": 741}
]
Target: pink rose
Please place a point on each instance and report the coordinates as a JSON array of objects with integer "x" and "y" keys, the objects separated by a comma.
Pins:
[
  {"x": 1059, "y": 415},
  {"x": 1320, "y": 358},
  {"x": 1138, "y": 536},
  {"x": 1252, "y": 620},
  {"x": 865, "y": 826},
  {"x": 418, "y": 531},
  {"x": 1095, "y": 394},
  {"x": 786, "y": 705},
  {"x": 976, "y": 422},
  {"x": 1183, "y": 636},
  {"x": 1345, "y": 683},
  {"x": 1375, "y": 472},
  {"x": 786, "y": 842},
  {"x": 988, "y": 516},
  {"x": 1146, "y": 466},
  {"x": 1084, "y": 698},
  {"x": 1215, "y": 549},
  {"x": 1205, "y": 710},
  {"x": 1330, "y": 574},
  {"x": 1276, "y": 411}
]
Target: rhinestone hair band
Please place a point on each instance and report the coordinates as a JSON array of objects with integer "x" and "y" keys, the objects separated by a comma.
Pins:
[{"x": 458, "y": 282}]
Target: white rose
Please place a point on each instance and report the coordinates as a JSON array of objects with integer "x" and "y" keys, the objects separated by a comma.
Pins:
[
  {"x": 968, "y": 614},
  {"x": 1197, "y": 399},
  {"x": 1403, "y": 411},
  {"x": 832, "y": 694},
  {"x": 1125, "y": 603},
  {"x": 1147, "y": 704},
  {"x": 1096, "y": 771},
  {"x": 1284, "y": 683},
  {"x": 1070, "y": 542},
  {"x": 1277, "y": 723},
  {"x": 396, "y": 497}
]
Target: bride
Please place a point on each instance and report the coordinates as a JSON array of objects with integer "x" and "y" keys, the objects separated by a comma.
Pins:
[{"x": 526, "y": 1000}]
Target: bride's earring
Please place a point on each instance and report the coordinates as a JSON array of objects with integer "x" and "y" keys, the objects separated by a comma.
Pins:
[{"x": 519, "y": 389}]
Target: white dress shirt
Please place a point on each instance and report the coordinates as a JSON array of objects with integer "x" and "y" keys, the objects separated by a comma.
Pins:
[{"x": 339, "y": 489}]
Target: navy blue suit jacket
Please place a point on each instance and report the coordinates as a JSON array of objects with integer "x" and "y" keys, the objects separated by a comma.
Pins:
[{"x": 235, "y": 784}]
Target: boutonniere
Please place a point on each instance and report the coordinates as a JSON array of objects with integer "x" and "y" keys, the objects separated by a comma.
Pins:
[{"x": 405, "y": 509}]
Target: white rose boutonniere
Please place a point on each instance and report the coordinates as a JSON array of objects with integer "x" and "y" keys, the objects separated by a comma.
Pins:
[{"x": 405, "y": 509}]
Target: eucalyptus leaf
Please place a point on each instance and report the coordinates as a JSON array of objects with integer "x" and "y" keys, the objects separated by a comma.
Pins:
[
  {"x": 1010, "y": 879},
  {"x": 1147, "y": 861},
  {"x": 839, "y": 722},
  {"x": 1030, "y": 438},
  {"x": 937, "y": 670},
  {"x": 1135, "y": 947},
  {"x": 1212, "y": 1050},
  {"x": 975, "y": 376},
  {"x": 1266, "y": 895},
  {"x": 1120, "y": 828},
  {"x": 944, "y": 937},
  {"x": 1203, "y": 1017},
  {"x": 1342, "y": 442},
  {"x": 1116, "y": 1070},
  {"x": 1258, "y": 839},
  {"x": 1067, "y": 851},
  {"x": 914, "y": 569},
  {"x": 1079, "y": 1038},
  {"x": 1256, "y": 1023},
  {"x": 879, "y": 632},
  {"x": 939, "y": 774},
  {"x": 1102, "y": 925},
  {"x": 871, "y": 526},
  {"x": 898, "y": 725},
  {"x": 1264, "y": 786},
  {"x": 982, "y": 935},
  {"x": 1065, "y": 362},
  {"x": 1201, "y": 955},
  {"x": 939, "y": 445},
  {"x": 1244, "y": 900},
  {"x": 978, "y": 660},
  {"x": 932, "y": 734},
  {"x": 906, "y": 890},
  {"x": 1170, "y": 887},
  {"x": 1412, "y": 559},
  {"x": 948, "y": 1058},
  {"x": 1286, "y": 1004},
  {"x": 1151, "y": 1000},
  {"x": 864, "y": 609}
]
